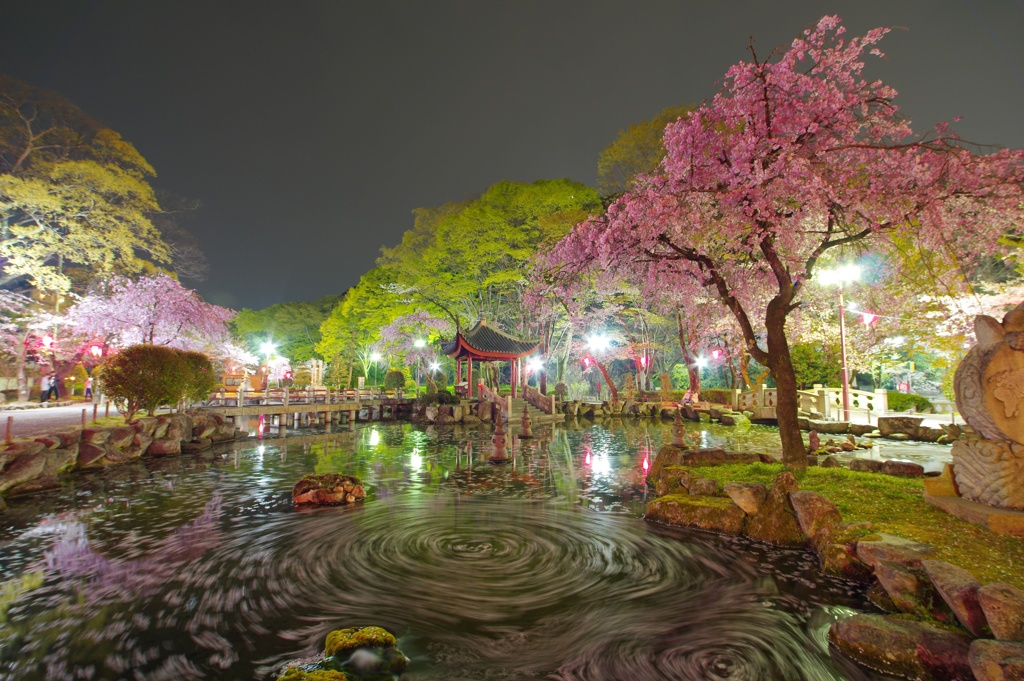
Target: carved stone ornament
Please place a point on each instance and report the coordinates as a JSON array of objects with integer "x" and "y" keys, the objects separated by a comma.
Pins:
[
  {"x": 989, "y": 382},
  {"x": 990, "y": 471}
]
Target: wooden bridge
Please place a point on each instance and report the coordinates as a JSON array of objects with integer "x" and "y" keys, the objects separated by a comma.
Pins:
[{"x": 317, "y": 405}]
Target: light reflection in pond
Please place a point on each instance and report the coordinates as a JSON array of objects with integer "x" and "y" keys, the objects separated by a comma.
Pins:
[{"x": 199, "y": 567}]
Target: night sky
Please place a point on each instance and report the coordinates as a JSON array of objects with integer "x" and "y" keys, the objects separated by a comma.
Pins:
[{"x": 311, "y": 130}]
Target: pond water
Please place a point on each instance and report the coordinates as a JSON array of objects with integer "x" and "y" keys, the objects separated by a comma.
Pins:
[{"x": 198, "y": 567}]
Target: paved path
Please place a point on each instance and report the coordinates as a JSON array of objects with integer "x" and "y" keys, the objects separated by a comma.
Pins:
[{"x": 48, "y": 419}]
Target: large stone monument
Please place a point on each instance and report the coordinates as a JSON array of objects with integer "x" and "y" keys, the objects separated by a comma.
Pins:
[{"x": 988, "y": 464}]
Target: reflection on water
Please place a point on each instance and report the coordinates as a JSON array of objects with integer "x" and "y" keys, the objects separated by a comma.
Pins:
[{"x": 198, "y": 567}]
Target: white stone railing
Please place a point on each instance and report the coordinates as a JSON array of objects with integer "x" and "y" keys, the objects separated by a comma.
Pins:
[
  {"x": 546, "y": 403},
  {"x": 824, "y": 400}
]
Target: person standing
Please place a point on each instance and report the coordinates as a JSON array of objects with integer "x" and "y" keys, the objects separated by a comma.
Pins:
[
  {"x": 88, "y": 387},
  {"x": 54, "y": 383},
  {"x": 44, "y": 389}
]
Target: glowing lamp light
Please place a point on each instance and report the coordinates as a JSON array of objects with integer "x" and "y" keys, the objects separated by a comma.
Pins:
[
  {"x": 267, "y": 348},
  {"x": 586, "y": 362},
  {"x": 643, "y": 361},
  {"x": 716, "y": 353},
  {"x": 587, "y": 459},
  {"x": 868, "y": 317},
  {"x": 420, "y": 343},
  {"x": 434, "y": 366},
  {"x": 701, "y": 362},
  {"x": 647, "y": 465},
  {"x": 47, "y": 342},
  {"x": 375, "y": 357},
  {"x": 598, "y": 342},
  {"x": 535, "y": 365},
  {"x": 839, "y": 275},
  {"x": 96, "y": 351}
]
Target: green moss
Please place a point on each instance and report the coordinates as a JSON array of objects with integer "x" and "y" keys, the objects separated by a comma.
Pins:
[
  {"x": 686, "y": 499},
  {"x": 897, "y": 506},
  {"x": 341, "y": 641},
  {"x": 300, "y": 674}
]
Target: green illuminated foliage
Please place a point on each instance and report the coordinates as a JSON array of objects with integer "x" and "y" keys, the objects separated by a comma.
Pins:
[{"x": 73, "y": 195}]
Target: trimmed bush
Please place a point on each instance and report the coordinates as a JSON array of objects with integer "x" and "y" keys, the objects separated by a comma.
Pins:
[
  {"x": 143, "y": 377},
  {"x": 394, "y": 379},
  {"x": 199, "y": 380},
  {"x": 716, "y": 396},
  {"x": 902, "y": 402}
]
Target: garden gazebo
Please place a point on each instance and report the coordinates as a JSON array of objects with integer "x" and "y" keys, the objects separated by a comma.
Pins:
[{"x": 484, "y": 343}]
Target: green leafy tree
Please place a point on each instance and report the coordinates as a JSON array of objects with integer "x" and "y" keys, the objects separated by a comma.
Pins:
[
  {"x": 73, "y": 195},
  {"x": 468, "y": 261},
  {"x": 637, "y": 149},
  {"x": 294, "y": 328}
]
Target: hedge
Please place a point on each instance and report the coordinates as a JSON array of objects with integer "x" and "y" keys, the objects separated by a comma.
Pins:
[{"x": 902, "y": 402}]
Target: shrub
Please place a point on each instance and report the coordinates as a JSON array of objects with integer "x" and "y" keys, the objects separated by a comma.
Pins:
[
  {"x": 143, "y": 377},
  {"x": 394, "y": 379},
  {"x": 199, "y": 380},
  {"x": 716, "y": 396},
  {"x": 902, "y": 402},
  {"x": 440, "y": 397}
]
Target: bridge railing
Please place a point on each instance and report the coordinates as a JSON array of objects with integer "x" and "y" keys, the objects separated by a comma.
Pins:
[
  {"x": 546, "y": 403},
  {"x": 501, "y": 403},
  {"x": 822, "y": 399}
]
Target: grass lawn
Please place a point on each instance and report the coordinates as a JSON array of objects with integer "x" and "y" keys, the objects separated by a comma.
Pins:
[{"x": 896, "y": 506}]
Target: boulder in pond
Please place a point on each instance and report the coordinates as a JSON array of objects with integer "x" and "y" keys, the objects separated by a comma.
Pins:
[
  {"x": 714, "y": 514},
  {"x": 332, "y": 489},
  {"x": 903, "y": 648}
]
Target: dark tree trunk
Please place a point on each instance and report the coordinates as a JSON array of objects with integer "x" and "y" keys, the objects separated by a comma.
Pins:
[{"x": 794, "y": 453}]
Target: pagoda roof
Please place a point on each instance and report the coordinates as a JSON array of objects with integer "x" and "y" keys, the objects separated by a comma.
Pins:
[{"x": 487, "y": 343}]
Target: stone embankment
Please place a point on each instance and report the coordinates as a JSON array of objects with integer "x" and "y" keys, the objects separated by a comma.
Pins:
[
  {"x": 939, "y": 621},
  {"x": 890, "y": 427},
  {"x": 36, "y": 464}
]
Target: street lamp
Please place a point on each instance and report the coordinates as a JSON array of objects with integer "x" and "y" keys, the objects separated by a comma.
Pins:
[
  {"x": 374, "y": 358},
  {"x": 267, "y": 348},
  {"x": 840, "y": 276}
]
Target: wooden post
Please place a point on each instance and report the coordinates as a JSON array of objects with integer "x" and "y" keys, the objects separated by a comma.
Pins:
[
  {"x": 106, "y": 411},
  {"x": 95, "y": 411},
  {"x": 83, "y": 418},
  {"x": 10, "y": 425}
]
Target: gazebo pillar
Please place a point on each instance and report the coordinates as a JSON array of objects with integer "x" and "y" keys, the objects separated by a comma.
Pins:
[
  {"x": 514, "y": 378},
  {"x": 469, "y": 377}
]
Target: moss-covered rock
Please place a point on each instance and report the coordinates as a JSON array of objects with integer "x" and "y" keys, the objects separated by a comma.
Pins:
[
  {"x": 342, "y": 641},
  {"x": 300, "y": 674},
  {"x": 903, "y": 647},
  {"x": 332, "y": 489},
  {"x": 776, "y": 522},
  {"x": 714, "y": 514}
]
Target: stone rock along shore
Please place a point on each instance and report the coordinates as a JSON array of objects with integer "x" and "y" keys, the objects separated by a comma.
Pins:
[
  {"x": 940, "y": 623},
  {"x": 35, "y": 464}
]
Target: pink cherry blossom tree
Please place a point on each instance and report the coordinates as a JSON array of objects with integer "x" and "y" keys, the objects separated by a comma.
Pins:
[
  {"x": 797, "y": 162},
  {"x": 154, "y": 310}
]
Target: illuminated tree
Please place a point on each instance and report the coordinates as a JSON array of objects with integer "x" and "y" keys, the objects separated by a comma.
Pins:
[
  {"x": 796, "y": 162},
  {"x": 72, "y": 194},
  {"x": 155, "y": 310}
]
